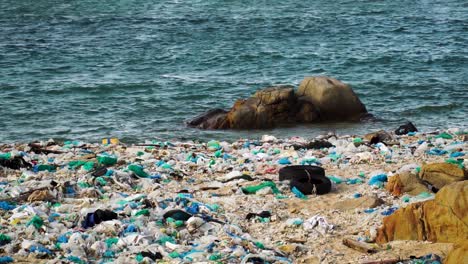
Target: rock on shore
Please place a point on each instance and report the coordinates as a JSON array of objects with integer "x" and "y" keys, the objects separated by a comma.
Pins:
[{"x": 318, "y": 99}]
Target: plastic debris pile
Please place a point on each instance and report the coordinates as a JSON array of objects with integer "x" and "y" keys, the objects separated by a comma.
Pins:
[{"x": 195, "y": 202}]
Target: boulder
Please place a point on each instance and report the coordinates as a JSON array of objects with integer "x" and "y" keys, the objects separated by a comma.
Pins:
[
  {"x": 212, "y": 119},
  {"x": 318, "y": 99},
  {"x": 361, "y": 202},
  {"x": 333, "y": 99},
  {"x": 441, "y": 174},
  {"x": 444, "y": 219},
  {"x": 378, "y": 136},
  {"x": 405, "y": 183},
  {"x": 265, "y": 109},
  {"x": 459, "y": 254}
]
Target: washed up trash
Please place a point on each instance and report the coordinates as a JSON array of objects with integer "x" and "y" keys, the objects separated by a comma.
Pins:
[
  {"x": 444, "y": 135},
  {"x": 97, "y": 217},
  {"x": 306, "y": 179},
  {"x": 107, "y": 160},
  {"x": 298, "y": 193},
  {"x": 294, "y": 222},
  {"x": 255, "y": 188},
  {"x": 263, "y": 214},
  {"x": 138, "y": 171},
  {"x": 110, "y": 141},
  {"x": 405, "y": 129},
  {"x": 389, "y": 211},
  {"x": 14, "y": 163},
  {"x": 318, "y": 224},
  {"x": 177, "y": 214},
  {"x": 436, "y": 151},
  {"x": 378, "y": 180},
  {"x": 6, "y": 259}
]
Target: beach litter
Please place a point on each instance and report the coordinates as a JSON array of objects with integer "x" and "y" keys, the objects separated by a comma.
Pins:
[{"x": 248, "y": 201}]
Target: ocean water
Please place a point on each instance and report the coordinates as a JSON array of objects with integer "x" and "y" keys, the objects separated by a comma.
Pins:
[{"x": 137, "y": 69}]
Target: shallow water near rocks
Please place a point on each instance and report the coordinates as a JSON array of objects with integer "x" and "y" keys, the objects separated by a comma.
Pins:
[{"x": 138, "y": 69}]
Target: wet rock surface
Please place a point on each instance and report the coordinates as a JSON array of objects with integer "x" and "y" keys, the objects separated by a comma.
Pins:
[{"x": 318, "y": 99}]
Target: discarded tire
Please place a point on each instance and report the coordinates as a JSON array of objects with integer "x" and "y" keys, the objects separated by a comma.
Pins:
[{"x": 307, "y": 179}]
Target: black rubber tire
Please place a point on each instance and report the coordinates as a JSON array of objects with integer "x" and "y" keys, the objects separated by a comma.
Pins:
[
  {"x": 291, "y": 172},
  {"x": 307, "y": 179}
]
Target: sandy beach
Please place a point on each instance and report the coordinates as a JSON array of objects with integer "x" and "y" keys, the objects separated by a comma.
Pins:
[{"x": 47, "y": 200}]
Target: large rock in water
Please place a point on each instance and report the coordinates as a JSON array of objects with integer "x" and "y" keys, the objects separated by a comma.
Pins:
[
  {"x": 444, "y": 219},
  {"x": 318, "y": 99},
  {"x": 334, "y": 100},
  {"x": 265, "y": 109}
]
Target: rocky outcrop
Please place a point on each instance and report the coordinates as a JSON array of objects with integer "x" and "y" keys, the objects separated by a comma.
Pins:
[
  {"x": 265, "y": 109},
  {"x": 405, "y": 183},
  {"x": 441, "y": 174},
  {"x": 214, "y": 118},
  {"x": 459, "y": 254},
  {"x": 444, "y": 219},
  {"x": 317, "y": 99},
  {"x": 333, "y": 99}
]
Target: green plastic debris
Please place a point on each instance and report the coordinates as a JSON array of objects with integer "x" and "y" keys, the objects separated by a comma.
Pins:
[
  {"x": 166, "y": 166},
  {"x": 4, "y": 239},
  {"x": 335, "y": 179},
  {"x": 163, "y": 239},
  {"x": 361, "y": 174},
  {"x": 218, "y": 153},
  {"x": 215, "y": 256},
  {"x": 45, "y": 167},
  {"x": 179, "y": 223},
  {"x": 424, "y": 195},
  {"x": 139, "y": 258},
  {"x": 101, "y": 181},
  {"x": 143, "y": 212},
  {"x": 259, "y": 245},
  {"x": 357, "y": 140},
  {"x": 88, "y": 166},
  {"x": 405, "y": 199},
  {"x": 75, "y": 164},
  {"x": 458, "y": 162},
  {"x": 36, "y": 221},
  {"x": 111, "y": 241},
  {"x": 5, "y": 156},
  {"x": 213, "y": 145},
  {"x": 334, "y": 156},
  {"x": 255, "y": 188},
  {"x": 174, "y": 254},
  {"x": 76, "y": 260},
  {"x": 140, "y": 153},
  {"x": 138, "y": 170},
  {"x": 444, "y": 135},
  {"x": 107, "y": 160}
]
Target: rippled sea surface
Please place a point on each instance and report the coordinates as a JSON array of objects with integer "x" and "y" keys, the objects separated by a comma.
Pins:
[{"x": 138, "y": 69}]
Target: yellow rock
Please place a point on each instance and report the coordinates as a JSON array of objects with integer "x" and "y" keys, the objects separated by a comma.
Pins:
[{"x": 444, "y": 219}]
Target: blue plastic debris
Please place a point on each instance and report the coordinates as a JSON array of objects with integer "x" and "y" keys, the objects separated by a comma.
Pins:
[
  {"x": 368, "y": 211},
  {"x": 437, "y": 152},
  {"x": 378, "y": 180},
  {"x": 457, "y": 154},
  {"x": 6, "y": 206},
  {"x": 389, "y": 211},
  {"x": 284, "y": 161},
  {"x": 357, "y": 195},
  {"x": 40, "y": 249},
  {"x": 298, "y": 193},
  {"x": 6, "y": 259}
]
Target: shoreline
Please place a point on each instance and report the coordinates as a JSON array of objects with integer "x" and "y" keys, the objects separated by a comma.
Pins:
[{"x": 180, "y": 175}]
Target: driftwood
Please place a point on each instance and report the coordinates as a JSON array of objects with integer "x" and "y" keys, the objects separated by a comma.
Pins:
[{"x": 359, "y": 246}]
